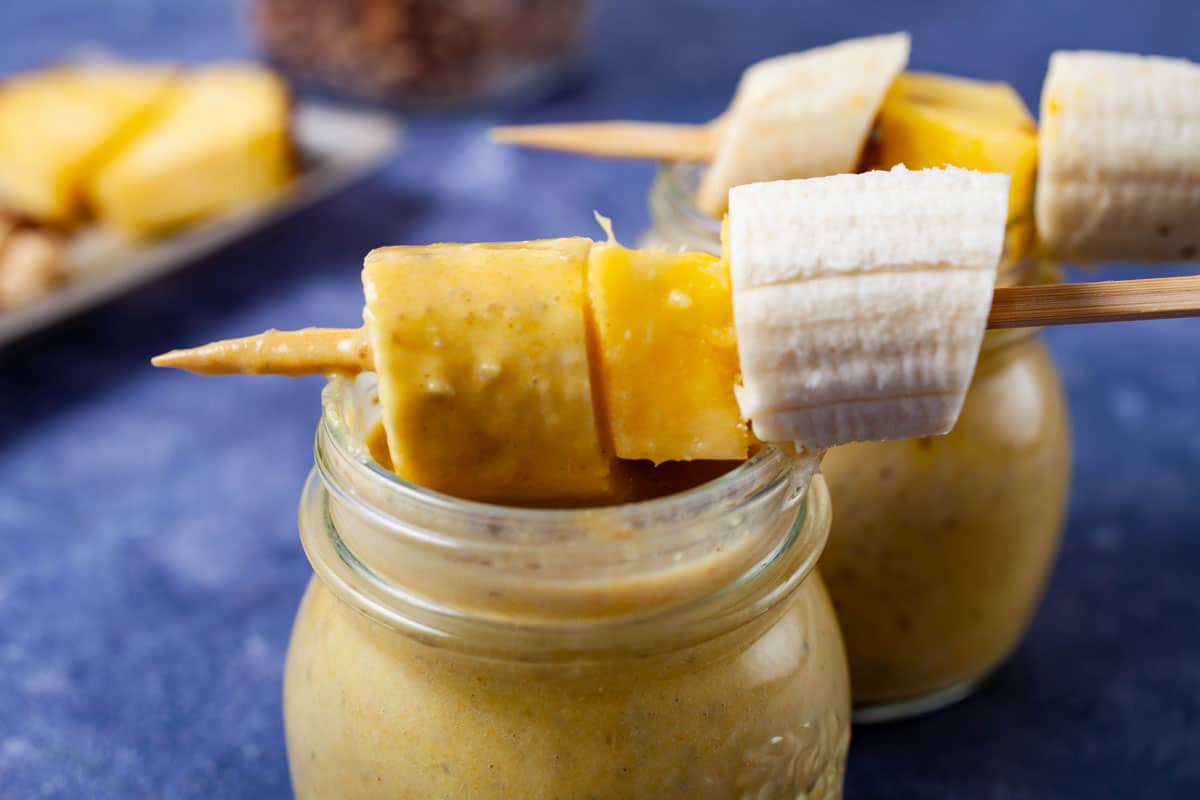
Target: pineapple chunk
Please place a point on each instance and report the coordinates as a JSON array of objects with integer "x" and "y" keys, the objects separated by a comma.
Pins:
[
  {"x": 484, "y": 372},
  {"x": 57, "y": 126},
  {"x": 667, "y": 354},
  {"x": 930, "y": 120},
  {"x": 221, "y": 142}
]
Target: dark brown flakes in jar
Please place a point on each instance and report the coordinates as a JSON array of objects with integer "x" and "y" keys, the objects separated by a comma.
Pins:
[{"x": 424, "y": 50}]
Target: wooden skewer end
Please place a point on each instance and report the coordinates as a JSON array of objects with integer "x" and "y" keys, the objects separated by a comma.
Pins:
[
  {"x": 312, "y": 351},
  {"x": 505, "y": 134},
  {"x": 174, "y": 359}
]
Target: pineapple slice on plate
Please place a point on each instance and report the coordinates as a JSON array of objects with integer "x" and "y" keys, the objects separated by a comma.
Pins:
[
  {"x": 57, "y": 126},
  {"x": 220, "y": 142}
]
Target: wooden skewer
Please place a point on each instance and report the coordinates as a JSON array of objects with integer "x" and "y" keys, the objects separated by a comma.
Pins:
[
  {"x": 657, "y": 141},
  {"x": 313, "y": 351},
  {"x": 1101, "y": 301}
]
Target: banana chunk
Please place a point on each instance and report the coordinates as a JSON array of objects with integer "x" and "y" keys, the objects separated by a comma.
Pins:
[
  {"x": 803, "y": 115},
  {"x": 1119, "y": 177},
  {"x": 484, "y": 370},
  {"x": 860, "y": 301}
]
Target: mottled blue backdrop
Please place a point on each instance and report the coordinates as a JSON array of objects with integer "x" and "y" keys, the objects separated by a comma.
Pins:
[{"x": 149, "y": 565}]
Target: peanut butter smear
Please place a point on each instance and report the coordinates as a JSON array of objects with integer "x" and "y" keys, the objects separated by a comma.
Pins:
[{"x": 310, "y": 351}]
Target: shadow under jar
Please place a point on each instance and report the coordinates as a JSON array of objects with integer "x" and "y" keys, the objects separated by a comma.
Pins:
[
  {"x": 681, "y": 647},
  {"x": 941, "y": 546}
]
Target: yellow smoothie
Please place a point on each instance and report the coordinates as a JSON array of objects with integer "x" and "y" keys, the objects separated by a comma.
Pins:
[
  {"x": 941, "y": 547},
  {"x": 679, "y": 647},
  {"x": 372, "y": 714}
]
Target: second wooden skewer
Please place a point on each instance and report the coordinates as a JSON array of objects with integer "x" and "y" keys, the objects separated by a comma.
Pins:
[{"x": 655, "y": 141}]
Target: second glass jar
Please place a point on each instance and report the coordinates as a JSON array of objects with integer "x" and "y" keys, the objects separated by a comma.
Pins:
[{"x": 940, "y": 547}]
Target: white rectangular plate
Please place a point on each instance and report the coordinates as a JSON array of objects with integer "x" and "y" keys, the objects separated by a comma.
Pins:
[{"x": 335, "y": 146}]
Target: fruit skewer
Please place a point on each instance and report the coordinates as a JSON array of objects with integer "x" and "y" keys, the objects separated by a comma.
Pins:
[
  {"x": 1115, "y": 126},
  {"x": 541, "y": 363}
]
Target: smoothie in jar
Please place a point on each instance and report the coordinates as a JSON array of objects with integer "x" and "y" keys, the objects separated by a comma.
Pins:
[
  {"x": 942, "y": 546},
  {"x": 679, "y": 647}
]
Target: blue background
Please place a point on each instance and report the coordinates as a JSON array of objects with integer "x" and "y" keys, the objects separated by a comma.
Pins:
[{"x": 149, "y": 566}]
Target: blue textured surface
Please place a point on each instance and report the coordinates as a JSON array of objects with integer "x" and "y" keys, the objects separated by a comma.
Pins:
[{"x": 149, "y": 566}]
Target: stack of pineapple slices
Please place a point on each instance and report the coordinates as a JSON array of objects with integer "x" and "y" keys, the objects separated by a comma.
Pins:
[
  {"x": 143, "y": 147},
  {"x": 59, "y": 126},
  {"x": 219, "y": 141},
  {"x": 526, "y": 372}
]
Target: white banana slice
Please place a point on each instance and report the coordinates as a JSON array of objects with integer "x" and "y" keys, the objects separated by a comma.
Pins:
[
  {"x": 860, "y": 301},
  {"x": 1119, "y": 149},
  {"x": 802, "y": 115}
]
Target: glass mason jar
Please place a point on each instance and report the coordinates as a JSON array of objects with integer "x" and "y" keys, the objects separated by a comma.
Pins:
[
  {"x": 941, "y": 546},
  {"x": 424, "y": 52},
  {"x": 681, "y": 647}
]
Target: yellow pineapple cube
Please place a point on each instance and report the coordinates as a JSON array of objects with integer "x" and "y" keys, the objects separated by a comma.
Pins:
[
  {"x": 667, "y": 354},
  {"x": 930, "y": 120},
  {"x": 220, "y": 142},
  {"x": 58, "y": 125},
  {"x": 484, "y": 370}
]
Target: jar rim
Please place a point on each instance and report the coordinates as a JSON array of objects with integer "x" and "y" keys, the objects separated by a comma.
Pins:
[
  {"x": 436, "y": 566},
  {"x": 679, "y": 182},
  {"x": 769, "y": 458}
]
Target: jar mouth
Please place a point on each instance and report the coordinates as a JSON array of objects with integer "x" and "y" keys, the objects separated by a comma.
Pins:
[
  {"x": 431, "y": 563},
  {"x": 344, "y": 429},
  {"x": 679, "y": 182}
]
